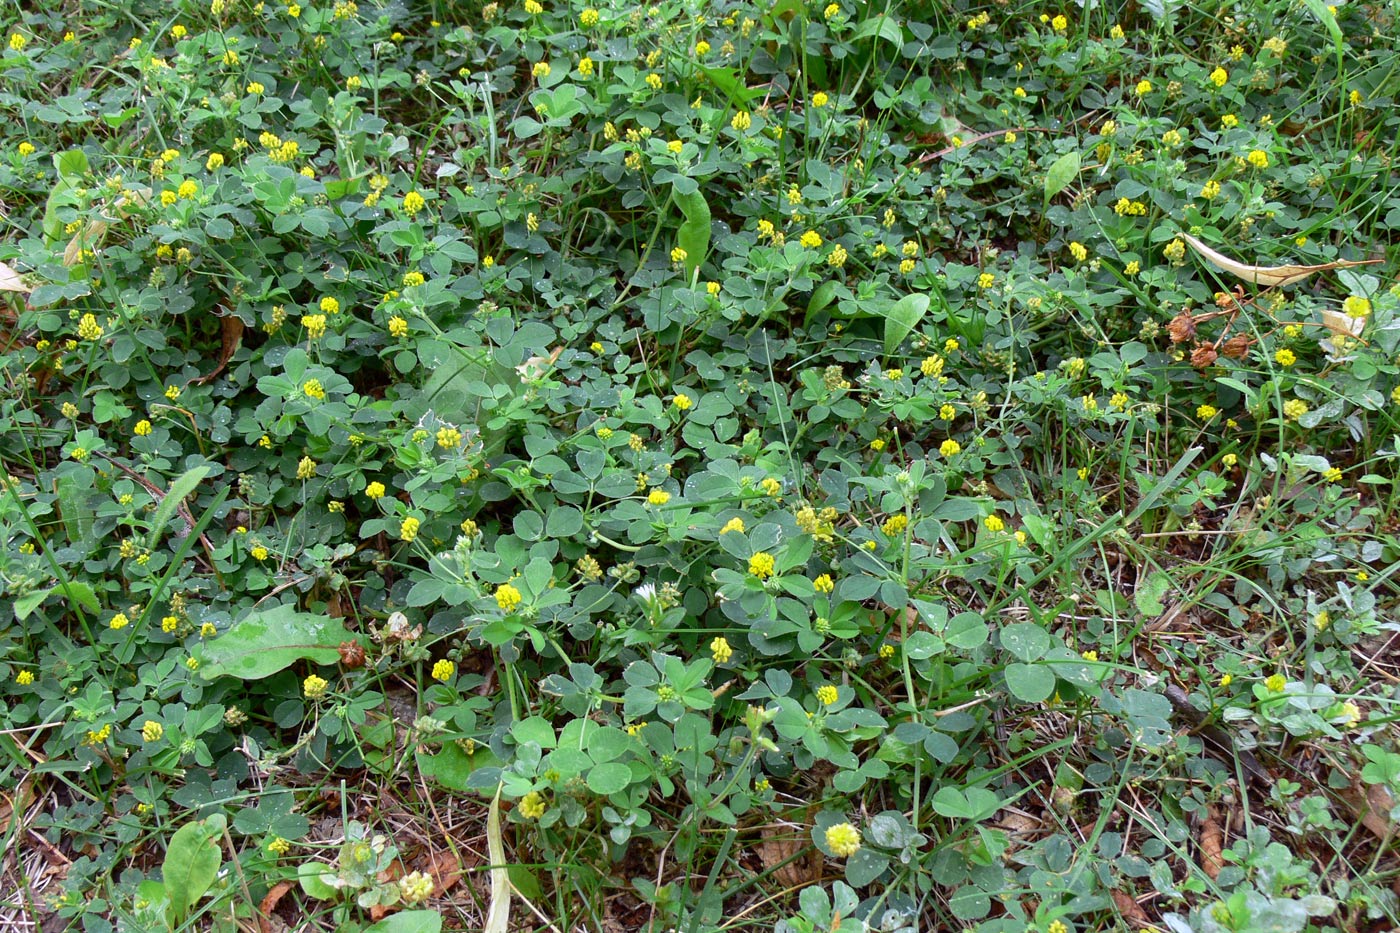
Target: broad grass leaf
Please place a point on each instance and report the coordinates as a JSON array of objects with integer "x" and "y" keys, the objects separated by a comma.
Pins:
[
  {"x": 902, "y": 317},
  {"x": 1061, "y": 172},
  {"x": 409, "y": 921},
  {"x": 268, "y": 641},
  {"x": 191, "y": 864},
  {"x": 693, "y": 235}
]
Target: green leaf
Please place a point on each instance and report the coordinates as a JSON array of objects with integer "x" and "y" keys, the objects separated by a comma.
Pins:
[
  {"x": 266, "y": 642},
  {"x": 609, "y": 778},
  {"x": 1025, "y": 640},
  {"x": 1062, "y": 171},
  {"x": 77, "y": 515},
  {"x": 191, "y": 865},
  {"x": 693, "y": 235},
  {"x": 176, "y": 494},
  {"x": 881, "y": 25},
  {"x": 1031, "y": 683},
  {"x": 1148, "y": 595},
  {"x": 409, "y": 921},
  {"x": 865, "y": 866},
  {"x": 902, "y": 317},
  {"x": 309, "y": 877},
  {"x": 26, "y": 604}
]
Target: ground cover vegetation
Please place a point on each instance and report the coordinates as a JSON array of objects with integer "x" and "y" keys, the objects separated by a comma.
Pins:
[{"x": 702, "y": 466}]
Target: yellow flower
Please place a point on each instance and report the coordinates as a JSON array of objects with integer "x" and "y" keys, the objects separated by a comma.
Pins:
[
  {"x": 702, "y": 48},
  {"x": 448, "y": 438},
  {"x": 1206, "y": 412},
  {"x": 843, "y": 840},
  {"x": 255, "y": 87},
  {"x": 1276, "y": 683},
  {"x": 585, "y": 66},
  {"x": 678, "y": 255},
  {"x": 588, "y": 17},
  {"x": 720, "y": 650},
  {"x": 118, "y": 622},
  {"x": 820, "y": 99},
  {"x": 1258, "y": 158},
  {"x": 837, "y": 257},
  {"x": 1116, "y": 32},
  {"x": 443, "y": 670},
  {"x": 742, "y": 120},
  {"x": 653, "y": 80},
  {"x": 823, "y": 583},
  {"x": 1059, "y": 23},
  {"x": 811, "y": 239},
  {"x": 26, "y": 149},
  {"x": 832, "y": 9},
  {"x": 279, "y": 846},
  {"x": 895, "y": 525},
  {"x": 682, "y": 401},
  {"x": 314, "y": 687},
  {"x": 375, "y": 490},
  {"x": 540, "y": 70},
  {"x": 761, "y": 565},
  {"x": 88, "y": 328},
  {"x": 152, "y": 731},
  {"x": 398, "y": 327},
  {"x": 315, "y": 325},
  {"x": 1078, "y": 251},
  {"x": 18, "y": 42},
  {"x": 408, "y": 530},
  {"x": 533, "y": 806},
  {"x": 413, "y": 202},
  {"x": 507, "y": 597},
  {"x": 312, "y": 388},
  {"x": 734, "y": 524},
  {"x": 1219, "y": 76},
  {"x": 659, "y": 497},
  {"x": 770, "y": 486},
  {"x": 1295, "y": 408},
  {"x": 306, "y": 468},
  {"x": 1356, "y": 306},
  {"x": 950, "y": 448},
  {"x": 986, "y": 280},
  {"x": 994, "y": 523},
  {"x": 827, "y": 694},
  {"x": 24, "y": 678},
  {"x": 1285, "y": 357},
  {"x": 1144, "y": 87}
]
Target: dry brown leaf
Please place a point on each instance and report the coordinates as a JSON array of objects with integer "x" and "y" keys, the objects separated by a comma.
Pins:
[
  {"x": 231, "y": 335},
  {"x": 1130, "y": 909},
  {"x": 445, "y": 870},
  {"x": 1212, "y": 842},
  {"x": 11, "y": 282},
  {"x": 782, "y": 851},
  {"x": 537, "y": 366},
  {"x": 1268, "y": 276},
  {"x": 269, "y": 904},
  {"x": 1372, "y": 806}
]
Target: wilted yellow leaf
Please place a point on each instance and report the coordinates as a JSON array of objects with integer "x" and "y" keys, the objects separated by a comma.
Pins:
[{"x": 1268, "y": 276}]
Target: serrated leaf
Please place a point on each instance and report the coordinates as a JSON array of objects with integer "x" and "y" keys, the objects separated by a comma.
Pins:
[
  {"x": 268, "y": 641},
  {"x": 1147, "y": 597},
  {"x": 179, "y": 489}
]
